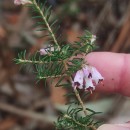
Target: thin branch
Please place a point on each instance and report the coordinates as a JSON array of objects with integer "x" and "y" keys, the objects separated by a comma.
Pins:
[
  {"x": 47, "y": 24},
  {"x": 34, "y": 61},
  {"x": 77, "y": 93},
  {"x": 80, "y": 101},
  {"x": 79, "y": 98},
  {"x": 52, "y": 76},
  {"x": 78, "y": 123}
]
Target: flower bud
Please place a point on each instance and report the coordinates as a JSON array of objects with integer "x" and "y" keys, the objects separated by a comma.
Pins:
[{"x": 23, "y": 2}]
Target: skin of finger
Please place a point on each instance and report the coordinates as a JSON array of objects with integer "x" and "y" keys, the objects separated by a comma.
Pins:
[
  {"x": 112, "y": 127},
  {"x": 124, "y": 125},
  {"x": 115, "y": 68}
]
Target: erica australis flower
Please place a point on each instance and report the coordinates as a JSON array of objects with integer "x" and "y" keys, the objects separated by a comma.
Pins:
[
  {"x": 19, "y": 2},
  {"x": 93, "y": 38},
  {"x": 78, "y": 80},
  {"x": 46, "y": 51},
  {"x": 43, "y": 51},
  {"x": 87, "y": 78}
]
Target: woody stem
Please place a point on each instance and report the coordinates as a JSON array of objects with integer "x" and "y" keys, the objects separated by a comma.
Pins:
[
  {"x": 78, "y": 97},
  {"x": 77, "y": 93},
  {"x": 80, "y": 101}
]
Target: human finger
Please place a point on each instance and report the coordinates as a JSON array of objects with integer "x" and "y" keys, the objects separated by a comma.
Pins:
[
  {"x": 114, "y": 127},
  {"x": 115, "y": 68}
]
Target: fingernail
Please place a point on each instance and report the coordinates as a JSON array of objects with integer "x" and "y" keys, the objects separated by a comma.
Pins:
[{"x": 114, "y": 127}]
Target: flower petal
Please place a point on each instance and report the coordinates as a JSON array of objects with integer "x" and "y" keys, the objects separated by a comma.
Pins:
[
  {"x": 89, "y": 84},
  {"x": 43, "y": 51},
  {"x": 46, "y": 51},
  {"x": 96, "y": 76},
  {"x": 78, "y": 79},
  {"x": 86, "y": 71}
]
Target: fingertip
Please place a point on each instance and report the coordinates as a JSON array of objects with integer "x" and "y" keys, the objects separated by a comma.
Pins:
[
  {"x": 112, "y": 127},
  {"x": 115, "y": 68}
]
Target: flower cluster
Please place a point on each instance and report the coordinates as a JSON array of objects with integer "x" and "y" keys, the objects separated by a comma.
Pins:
[
  {"x": 22, "y": 2},
  {"x": 87, "y": 78}
]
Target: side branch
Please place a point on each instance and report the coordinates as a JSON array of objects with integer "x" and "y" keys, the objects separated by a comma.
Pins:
[
  {"x": 20, "y": 61},
  {"x": 86, "y": 126}
]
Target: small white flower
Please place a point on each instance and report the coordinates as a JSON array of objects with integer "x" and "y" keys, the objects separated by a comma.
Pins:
[
  {"x": 19, "y": 2},
  {"x": 96, "y": 76},
  {"x": 46, "y": 51},
  {"x": 78, "y": 79},
  {"x": 89, "y": 84},
  {"x": 86, "y": 71},
  {"x": 86, "y": 77},
  {"x": 92, "y": 73},
  {"x": 93, "y": 38},
  {"x": 43, "y": 51}
]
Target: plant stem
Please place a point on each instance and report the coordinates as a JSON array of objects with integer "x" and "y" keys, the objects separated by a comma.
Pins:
[
  {"x": 66, "y": 68},
  {"x": 33, "y": 61},
  {"x": 47, "y": 24},
  {"x": 80, "y": 101},
  {"x": 87, "y": 126},
  {"x": 52, "y": 76},
  {"x": 77, "y": 93}
]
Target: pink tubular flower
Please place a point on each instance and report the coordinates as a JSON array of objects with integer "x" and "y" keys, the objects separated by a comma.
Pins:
[
  {"x": 19, "y": 2},
  {"x": 97, "y": 77},
  {"x": 46, "y": 51},
  {"x": 78, "y": 79},
  {"x": 87, "y": 78},
  {"x": 89, "y": 84},
  {"x": 43, "y": 51}
]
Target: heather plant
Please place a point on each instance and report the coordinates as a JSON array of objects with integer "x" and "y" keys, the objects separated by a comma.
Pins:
[{"x": 62, "y": 61}]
